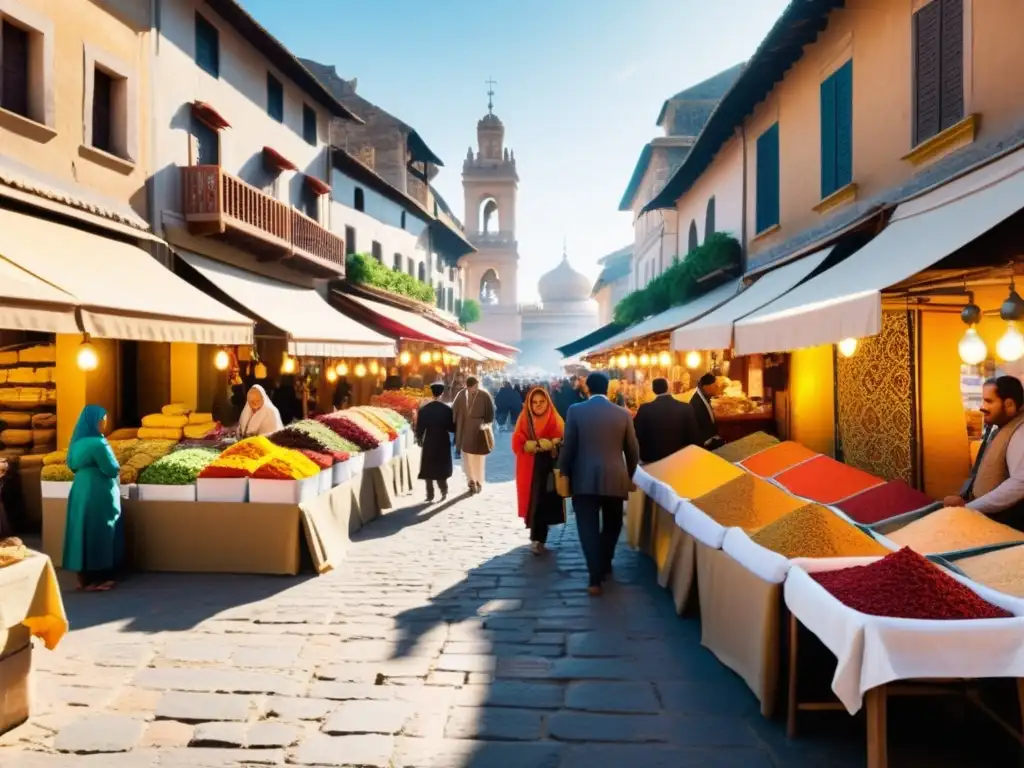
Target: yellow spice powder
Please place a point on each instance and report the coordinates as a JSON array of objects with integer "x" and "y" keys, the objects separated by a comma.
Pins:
[
  {"x": 1002, "y": 570},
  {"x": 692, "y": 472},
  {"x": 816, "y": 531},
  {"x": 747, "y": 502},
  {"x": 951, "y": 529}
]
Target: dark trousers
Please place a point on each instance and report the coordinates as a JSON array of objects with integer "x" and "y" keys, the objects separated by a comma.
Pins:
[
  {"x": 442, "y": 484},
  {"x": 539, "y": 530},
  {"x": 599, "y": 521}
]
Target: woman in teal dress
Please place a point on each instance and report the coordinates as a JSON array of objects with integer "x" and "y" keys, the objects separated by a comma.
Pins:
[{"x": 93, "y": 537}]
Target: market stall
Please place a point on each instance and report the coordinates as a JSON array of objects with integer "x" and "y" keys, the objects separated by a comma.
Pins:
[{"x": 195, "y": 499}]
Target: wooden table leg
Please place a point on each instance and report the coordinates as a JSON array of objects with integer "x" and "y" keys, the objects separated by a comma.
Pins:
[
  {"x": 791, "y": 700},
  {"x": 878, "y": 752}
]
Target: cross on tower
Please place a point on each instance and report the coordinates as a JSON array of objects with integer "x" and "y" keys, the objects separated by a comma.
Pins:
[{"x": 490, "y": 95}]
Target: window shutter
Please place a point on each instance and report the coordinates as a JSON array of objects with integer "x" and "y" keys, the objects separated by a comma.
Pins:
[
  {"x": 207, "y": 46},
  {"x": 709, "y": 220},
  {"x": 927, "y": 71},
  {"x": 692, "y": 242},
  {"x": 952, "y": 65},
  {"x": 14, "y": 69},
  {"x": 844, "y": 124},
  {"x": 828, "y": 137},
  {"x": 767, "y": 213}
]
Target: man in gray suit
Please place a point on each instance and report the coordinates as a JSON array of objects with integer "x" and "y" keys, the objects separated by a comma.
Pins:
[{"x": 599, "y": 455}]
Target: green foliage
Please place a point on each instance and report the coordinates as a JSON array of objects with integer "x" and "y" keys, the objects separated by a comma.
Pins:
[
  {"x": 469, "y": 312},
  {"x": 363, "y": 268},
  {"x": 680, "y": 282}
]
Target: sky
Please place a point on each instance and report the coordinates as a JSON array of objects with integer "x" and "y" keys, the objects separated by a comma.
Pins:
[{"x": 579, "y": 86}]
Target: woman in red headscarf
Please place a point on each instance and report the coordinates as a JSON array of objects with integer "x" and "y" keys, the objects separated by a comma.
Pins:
[{"x": 536, "y": 441}]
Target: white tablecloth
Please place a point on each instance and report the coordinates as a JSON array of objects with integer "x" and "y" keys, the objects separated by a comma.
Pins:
[
  {"x": 766, "y": 565},
  {"x": 698, "y": 524},
  {"x": 874, "y": 650}
]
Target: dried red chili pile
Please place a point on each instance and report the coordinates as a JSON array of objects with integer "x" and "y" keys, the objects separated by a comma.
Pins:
[{"x": 906, "y": 585}]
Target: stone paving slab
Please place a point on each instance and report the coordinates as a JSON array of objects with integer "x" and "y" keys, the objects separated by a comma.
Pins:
[{"x": 439, "y": 642}]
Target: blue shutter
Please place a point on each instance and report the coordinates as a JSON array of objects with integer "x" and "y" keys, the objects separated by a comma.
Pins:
[
  {"x": 207, "y": 46},
  {"x": 828, "y": 137},
  {"x": 844, "y": 124},
  {"x": 767, "y": 209}
]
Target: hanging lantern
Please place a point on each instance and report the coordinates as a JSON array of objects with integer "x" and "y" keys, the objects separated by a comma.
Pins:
[
  {"x": 435, "y": 356},
  {"x": 259, "y": 371},
  {"x": 341, "y": 369},
  {"x": 221, "y": 360},
  {"x": 665, "y": 359},
  {"x": 332, "y": 375},
  {"x": 374, "y": 367},
  {"x": 694, "y": 359},
  {"x": 645, "y": 359},
  {"x": 87, "y": 359},
  {"x": 847, "y": 347},
  {"x": 288, "y": 366},
  {"x": 632, "y": 360},
  {"x": 424, "y": 357},
  {"x": 360, "y": 370},
  {"x": 623, "y": 361},
  {"x": 404, "y": 358}
]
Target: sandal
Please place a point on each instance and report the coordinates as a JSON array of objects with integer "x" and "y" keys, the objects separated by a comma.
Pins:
[{"x": 106, "y": 586}]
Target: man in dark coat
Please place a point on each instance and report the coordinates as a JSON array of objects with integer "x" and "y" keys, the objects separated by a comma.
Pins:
[
  {"x": 434, "y": 426},
  {"x": 665, "y": 425},
  {"x": 707, "y": 388}
]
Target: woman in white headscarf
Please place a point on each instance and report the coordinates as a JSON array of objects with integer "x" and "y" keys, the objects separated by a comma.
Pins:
[{"x": 259, "y": 416}]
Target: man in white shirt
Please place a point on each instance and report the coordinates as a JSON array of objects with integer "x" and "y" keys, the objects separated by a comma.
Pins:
[{"x": 996, "y": 485}]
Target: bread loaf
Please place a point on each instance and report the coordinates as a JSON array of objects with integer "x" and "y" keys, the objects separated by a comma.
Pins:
[
  {"x": 44, "y": 437},
  {"x": 200, "y": 418},
  {"x": 159, "y": 433},
  {"x": 16, "y": 420},
  {"x": 16, "y": 438},
  {"x": 174, "y": 409},
  {"x": 199, "y": 431}
]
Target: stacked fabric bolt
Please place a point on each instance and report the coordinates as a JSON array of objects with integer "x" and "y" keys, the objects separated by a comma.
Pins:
[
  {"x": 883, "y": 502},
  {"x": 952, "y": 529},
  {"x": 746, "y": 446},
  {"x": 746, "y": 502},
  {"x": 906, "y": 585},
  {"x": 815, "y": 531},
  {"x": 779, "y": 458},
  {"x": 1001, "y": 570}
]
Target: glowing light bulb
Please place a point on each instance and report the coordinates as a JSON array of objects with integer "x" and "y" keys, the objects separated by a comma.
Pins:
[
  {"x": 360, "y": 370},
  {"x": 847, "y": 347},
  {"x": 645, "y": 359},
  {"x": 87, "y": 359},
  {"x": 623, "y": 361},
  {"x": 694, "y": 359},
  {"x": 972, "y": 348},
  {"x": 404, "y": 358},
  {"x": 1011, "y": 346},
  {"x": 332, "y": 375},
  {"x": 288, "y": 366},
  {"x": 260, "y": 371},
  {"x": 665, "y": 359},
  {"x": 632, "y": 360},
  {"x": 342, "y": 369},
  {"x": 221, "y": 360},
  {"x": 424, "y": 357},
  {"x": 374, "y": 367},
  {"x": 436, "y": 356}
]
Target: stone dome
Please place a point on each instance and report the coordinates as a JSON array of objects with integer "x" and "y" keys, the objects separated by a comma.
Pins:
[
  {"x": 490, "y": 121},
  {"x": 563, "y": 283}
]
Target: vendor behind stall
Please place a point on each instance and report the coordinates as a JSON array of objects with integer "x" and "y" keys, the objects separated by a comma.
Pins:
[
  {"x": 707, "y": 388},
  {"x": 260, "y": 416},
  {"x": 996, "y": 485}
]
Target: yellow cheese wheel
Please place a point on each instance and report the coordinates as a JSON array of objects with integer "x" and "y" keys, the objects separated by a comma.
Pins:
[
  {"x": 174, "y": 409},
  {"x": 159, "y": 433},
  {"x": 15, "y": 420},
  {"x": 200, "y": 418},
  {"x": 15, "y": 438},
  {"x": 44, "y": 436},
  {"x": 199, "y": 431},
  {"x": 160, "y": 421},
  {"x": 125, "y": 433}
]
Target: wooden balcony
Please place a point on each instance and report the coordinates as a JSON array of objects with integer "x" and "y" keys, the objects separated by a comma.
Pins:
[{"x": 218, "y": 204}]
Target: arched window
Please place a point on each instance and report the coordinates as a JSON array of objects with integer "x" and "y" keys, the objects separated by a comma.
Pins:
[
  {"x": 489, "y": 222},
  {"x": 490, "y": 288},
  {"x": 403, "y": 219},
  {"x": 709, "y": 219},
  {"x": 359, "y": 202},
  {"x": 422, "y": 275},
  {"x": 692, "y": 241}
]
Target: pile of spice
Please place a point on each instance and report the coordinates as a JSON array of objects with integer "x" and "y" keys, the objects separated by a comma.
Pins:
[
  {"x": 1001, "y": 570},
  {"x": 747, "y": 446},
  {"x": 746, "y": 502},
  {"x": 905, "y": 585},
  {"x": 826, "y": 481},
  {"x": 951, "y": 529},
  {"x": 778, "y": 458},
  {"x": 692, "y": 472},
  {"x": 816, "y": 531},
  {"x": 884, "y": 501}
]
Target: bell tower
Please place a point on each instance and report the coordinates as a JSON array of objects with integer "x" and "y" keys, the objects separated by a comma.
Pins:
[{"x": 490, "y": 181}]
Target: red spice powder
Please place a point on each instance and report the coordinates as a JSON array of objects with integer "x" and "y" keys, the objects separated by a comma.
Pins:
[
  {"x": 884, "y": 501},
  {"x": 908, "y": 586},
  {"x": 826, "y": 480},
  {"x": 783, "y": 456}
]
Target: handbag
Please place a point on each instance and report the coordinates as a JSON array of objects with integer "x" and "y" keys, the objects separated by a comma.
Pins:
[
  {"x": 488, "y": 436},
  {"x": 562, "y": 484}
]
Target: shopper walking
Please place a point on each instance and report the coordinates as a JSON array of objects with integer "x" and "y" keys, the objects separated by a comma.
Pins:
[
  {"x": 474, "y": 431},
  {"x": 536, "y": 442},
  {"x": 598, "y": 457},
  {"x": 507, "y": 405},
  {"x": 435, "y": 424},
  {"x": 94, "y": 532}
]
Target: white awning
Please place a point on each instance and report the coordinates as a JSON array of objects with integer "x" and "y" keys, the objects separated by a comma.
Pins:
[
  {"x": 714, "y": 330},
  {"x": 846, "y": 300},
  {"x": 314, "y": 327},
  {"x": 405, "y": 321},
  {"x": 467, "y": 352},
  {"x": 670, "y": 318},
  {"x": 122, "y": 291},
  {"x": 29, "y": 304}
]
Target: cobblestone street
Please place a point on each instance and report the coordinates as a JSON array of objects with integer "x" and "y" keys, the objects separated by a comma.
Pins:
[{"x": 440, "y": 643}]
